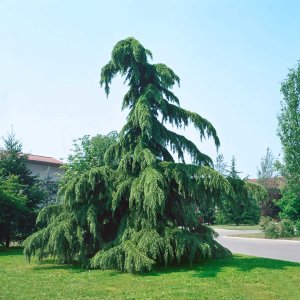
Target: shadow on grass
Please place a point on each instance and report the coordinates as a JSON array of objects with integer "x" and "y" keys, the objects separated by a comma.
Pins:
[
  {"x": 71, "y": 268},
  {"x": 51, "y": 264},
  {"x": 207, "y": 269},
  {"x": 241, "y": 263},
  {"x": 11, "y": 251},
  {"x": 211, "y": 268}
]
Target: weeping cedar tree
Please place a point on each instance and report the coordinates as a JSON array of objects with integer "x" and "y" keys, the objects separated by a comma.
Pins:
[{"x": 139, "y": 209}]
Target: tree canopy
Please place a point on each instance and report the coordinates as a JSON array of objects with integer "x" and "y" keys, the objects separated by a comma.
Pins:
[
  {"x": 13, "y": 209},
  {"x": 289, "y": 133},
  {"x": 20, "y": 193},
  {"x": 138, "y": 209},
  {"x": 266, "y": 176},
  {"x": 88, "y": 152}
]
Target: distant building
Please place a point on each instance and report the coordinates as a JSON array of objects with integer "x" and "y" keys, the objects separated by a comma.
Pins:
[{"x": 45, "y": 167}]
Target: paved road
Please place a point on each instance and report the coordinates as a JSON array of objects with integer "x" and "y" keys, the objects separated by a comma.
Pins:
[{"x": 277, "y": 249}]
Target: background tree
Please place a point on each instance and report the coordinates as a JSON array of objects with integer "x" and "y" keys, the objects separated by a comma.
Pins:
[
  {"x": 267, "y": 178},
  {"x": 139, "y": 210},
  {"x": 208, "y": 212},
  {"x": 265, "y": 173},
  {"x": 241, "y": 207},
  {"x": 13, "y": 161},
  {"x": 87, "y": 153},
  {"x": 289, "y": 133},
  {"x": 221, "y": 165},
  {"x": 13, "y": 165},
  {"x": 12, "y": 209}
]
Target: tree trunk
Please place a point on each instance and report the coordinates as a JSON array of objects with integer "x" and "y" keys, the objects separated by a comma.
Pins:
[{"x": 7, "y": 242}]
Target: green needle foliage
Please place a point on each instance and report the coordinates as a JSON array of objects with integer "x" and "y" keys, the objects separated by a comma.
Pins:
[{"x": 138, "y": 209}]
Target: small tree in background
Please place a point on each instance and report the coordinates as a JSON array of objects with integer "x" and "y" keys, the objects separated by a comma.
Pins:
[
  {"x": 265, "y": 173},
  {"x": 221, "y": 165},
  {"x": 88, "y": 152},
  {"x": 266, "y": 177},
  {"x": 241, "y": 207},
  {"x": 13, "y": 161},
  {"x": 13, "y": 165},
  {"x": 208, "y": 212},
  {"x": 13, "y": 210}
]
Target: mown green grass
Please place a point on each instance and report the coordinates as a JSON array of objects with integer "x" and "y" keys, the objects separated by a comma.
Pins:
[
  {"x": 238, "y": 278},
  {"x": 236, "y": 227},
  {"x": 259, "y": 235}
]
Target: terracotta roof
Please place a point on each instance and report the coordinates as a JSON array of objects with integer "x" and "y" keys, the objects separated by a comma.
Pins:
[
  {"x": 252, "y": 180},
  {"x": 275, "y": 181},
  {"x": 44, "y": 159}
]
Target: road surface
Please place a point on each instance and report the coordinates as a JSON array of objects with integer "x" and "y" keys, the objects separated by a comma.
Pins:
[{"x": 276, "y": 249}]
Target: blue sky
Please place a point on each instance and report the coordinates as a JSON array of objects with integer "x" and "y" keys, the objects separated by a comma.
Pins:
[{"x": 231, "y": 57}]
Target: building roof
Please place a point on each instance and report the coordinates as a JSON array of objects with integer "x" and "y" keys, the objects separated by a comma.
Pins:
[
  {"x": 253, "y": 180},
  {"x": 44, "y": 160},
  {"x": 278, "y": 181}
]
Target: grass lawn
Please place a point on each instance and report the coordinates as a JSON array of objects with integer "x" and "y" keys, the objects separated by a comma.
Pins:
[
  {"x": 236, "y": 227},
  {"x": 238, "y": 278},
  {"x": 259, "y": 235}
]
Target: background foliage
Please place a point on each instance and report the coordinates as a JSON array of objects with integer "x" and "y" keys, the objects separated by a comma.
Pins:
[
  {"x": 21, "y": 194},
  {"x": 289, "y": 133},
  {"x": 266, "y": 176}
]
